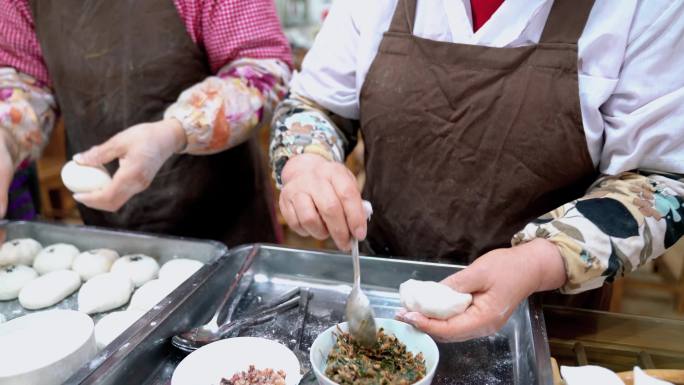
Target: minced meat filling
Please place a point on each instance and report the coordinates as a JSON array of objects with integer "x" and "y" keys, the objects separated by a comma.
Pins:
[{"x": 256, "y": 377}]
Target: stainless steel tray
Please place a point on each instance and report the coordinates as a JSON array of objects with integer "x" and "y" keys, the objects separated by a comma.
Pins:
[
  {"x": 86, "y": 238},
  {"x": 517, "y": 355}
]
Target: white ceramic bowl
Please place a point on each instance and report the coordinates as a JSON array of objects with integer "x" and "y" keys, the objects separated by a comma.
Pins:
[
  {"x": 45, "y": 348},
  {"x": 221, "y": 359},
  {"x": 415, "y": 341}
]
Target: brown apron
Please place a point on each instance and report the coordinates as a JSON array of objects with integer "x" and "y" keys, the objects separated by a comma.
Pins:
[
  {"x": 115, "y": 64},
  {"x": 466, "y": 144}
]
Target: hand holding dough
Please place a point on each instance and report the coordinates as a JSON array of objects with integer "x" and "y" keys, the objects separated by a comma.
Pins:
[
  {"x": 19, "y": 252},
  {"x": 139, "y": 268},
  {"x": 433, "y": 299},
  {"x": 13, "y": 278},
  {"x": 82, "y": 179},
  {"x": 104, "y": 292},
  {"x": 49, "y": 289},
  {"x": 94, "y": 262},
  {"x": 59, "y": 256}
]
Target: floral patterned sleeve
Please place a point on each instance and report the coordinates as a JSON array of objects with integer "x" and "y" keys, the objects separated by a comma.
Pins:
[
  {"x": 623, "y": 222},
  {"x": 300, "y": 126},
  {"x": 224, "y": 110},
  {"x": 27, "y": 114}
]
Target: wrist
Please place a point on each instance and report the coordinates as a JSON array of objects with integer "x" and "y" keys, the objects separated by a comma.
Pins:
[
  {"x": 179, "y": 139},
  {"x": 300, "y": 163},
  {"x": 8, "y": 143},
  {"x": 546, "y": 264}
]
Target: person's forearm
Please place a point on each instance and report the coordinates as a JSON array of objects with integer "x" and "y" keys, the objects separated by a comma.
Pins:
[
  {"x": 623, "y": 222},
  {"x": 27, "y": 115},
  {"x": 225, "y": 110}
]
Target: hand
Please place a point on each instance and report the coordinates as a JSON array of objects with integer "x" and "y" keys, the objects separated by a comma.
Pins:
[
  {"x": 141, "y": 150},
  {"x": 320, "y": 198},
  {"x": 6, "y": 171},
  {"x": 499, "y": 281}
]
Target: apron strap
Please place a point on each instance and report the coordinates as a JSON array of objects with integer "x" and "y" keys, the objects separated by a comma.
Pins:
[
  {"x": 404, "y": 17},
  {"x": 566, "y": 21}
]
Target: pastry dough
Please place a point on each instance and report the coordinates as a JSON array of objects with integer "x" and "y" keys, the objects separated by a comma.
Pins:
[
  {"x": 19, "y": 252},
  {"x": 113, "y": 324},
  {"x": 49, "y": 289},
  {"x": 94, "y": 262},
  {"x": 83, "y": 179},
  {"x": 139, "y": 268},
  {"x": 150, "y": 294},
  {"x": 104, "y": 292},
  {"x": 433, "y": 299},
  {"x": 179, "y": 270},
  {"x": 13, "y": 278},
  {"x": 59, "y": 256}
]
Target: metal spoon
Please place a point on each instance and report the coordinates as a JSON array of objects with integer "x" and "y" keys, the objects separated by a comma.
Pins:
[{"x": 360, "y": 316}]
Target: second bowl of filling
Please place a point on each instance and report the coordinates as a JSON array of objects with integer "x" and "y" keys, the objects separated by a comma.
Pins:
[{"x": 402, "y": 355}]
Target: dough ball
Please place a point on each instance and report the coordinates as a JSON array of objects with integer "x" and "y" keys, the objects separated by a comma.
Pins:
[
  {"x": 150, "y": 294},
  {"x": 49, "y": 289},
  {"x": 112, "y": 325},
  {"x": 138, "y": 267},
  {"x": 433, "y": 299},
  {"x": 178, "y": 270},
  {"x": 2, "y": 319},
  {"x": 104, "y": 292},
  {"x": 94, "y": 262},
  {"x": 13, "y": 278},
  {"x": 19, "y": 252},
  {"x": 83, "y": 179},
  {"x": 59, "y": 256}
]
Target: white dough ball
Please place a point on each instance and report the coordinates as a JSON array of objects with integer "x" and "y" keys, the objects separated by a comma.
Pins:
[
  {"x": 104, "y": 292},
  {"x": 2, "y": 319},
  {"x": 59, "y": 256},
  {"x": 113, "y": 324},
  {"x": 139, "y": 268},
  {"x": 179, "y": 270},
  {"x": 19, "y": 252},
  {"x": 49, "y": 289},
  {"x": 433, "y": 299},
  {"x": 150, "y": 294},
  {"x": 83, "y": 179},
  {"x": 94, "y": 262},
  {"x": 13, "y": 278}
]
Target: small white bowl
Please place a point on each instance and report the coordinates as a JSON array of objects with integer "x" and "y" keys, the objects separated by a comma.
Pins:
[
  {"x": 45, "y": 348},
  {"x": 415, "y": 341},
  {"x": 221, "y": 359}
]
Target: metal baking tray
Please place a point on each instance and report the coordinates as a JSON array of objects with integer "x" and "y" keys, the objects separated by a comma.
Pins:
[
  {"x": 518, "y": 354},
  {"x": 85, "y": 238}
]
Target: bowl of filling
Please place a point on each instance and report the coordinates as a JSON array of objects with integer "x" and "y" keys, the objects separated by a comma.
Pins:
[
  {"x": 239, "y": 361},
  {"x": 402, "y": 355}
]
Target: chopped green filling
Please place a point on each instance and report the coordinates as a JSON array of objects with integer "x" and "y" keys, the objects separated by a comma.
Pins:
[{"x": 386, "y": 363}]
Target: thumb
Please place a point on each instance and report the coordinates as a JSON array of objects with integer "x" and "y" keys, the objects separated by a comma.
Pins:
[
  {"x": 467, "y": 280},
  {"x": 101, "y": 154}
]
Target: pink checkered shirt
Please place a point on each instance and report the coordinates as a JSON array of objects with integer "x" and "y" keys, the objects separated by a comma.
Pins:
[{"x": 226, "y": 29}]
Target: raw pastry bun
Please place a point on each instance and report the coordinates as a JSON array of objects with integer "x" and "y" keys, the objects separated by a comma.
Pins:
[
  {"x": 90, "y": 263},
  {"x": 433, "y": 299},
  {"x": 113, "y": 324},
  {"x": 179, "y": 270},
  {"x": 59, "y": 256},
  {"x": 13, "y": 278},
  {"x": 49, "y": 289},
  {"x": 19, "y": 252},
  {"x": 104, "y": 292},
  {"x": 82, "y": 179},
  {"x": 150, "y": 294},
  {"x": 138, "y": 267}
]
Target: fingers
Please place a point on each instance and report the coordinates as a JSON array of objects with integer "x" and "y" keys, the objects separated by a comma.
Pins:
[
  {"x": 127, "y": 182},
  {"x": 6, "y": 175},
  {"x": 350, "y": 198},
  {"x": 288, "y": 211},
  {"x": 307, "y": 216},
  {"x": 103, "y": 153},
  {"x": 333, "y": 214},
  {"x": 473, "y": 323},
  {"x": 468, "y": 280}
]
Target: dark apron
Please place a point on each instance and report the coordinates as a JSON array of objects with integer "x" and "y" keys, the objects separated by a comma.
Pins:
[
  {"x": 115, "y": 64},
  {"x": 467, "y": 144}
]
